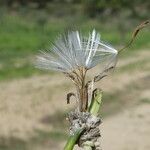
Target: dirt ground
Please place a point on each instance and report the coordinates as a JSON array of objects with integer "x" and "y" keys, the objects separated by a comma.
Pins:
[
  {"x": 25, "y": 105},
  {"x": 128, "y": 130}
]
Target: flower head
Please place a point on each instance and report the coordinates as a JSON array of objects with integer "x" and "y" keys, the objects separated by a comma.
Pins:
[
  {"x": 72, "y": 51},
  {"x": 74, "y": 54}
]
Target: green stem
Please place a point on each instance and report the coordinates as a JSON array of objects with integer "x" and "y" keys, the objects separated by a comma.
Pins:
[
  {"x": 93, "y": 109},
  {"x": 72, "y": 140},
  {"x": 96, "y": 102}
]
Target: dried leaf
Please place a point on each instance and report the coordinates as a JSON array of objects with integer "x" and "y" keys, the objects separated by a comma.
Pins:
[
  {"x": 135, "y": 33},
  {"x": 69, "y": 95}
]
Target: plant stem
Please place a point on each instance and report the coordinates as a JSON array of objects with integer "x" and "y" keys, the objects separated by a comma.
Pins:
[
  {"x": 72, "y": 140},
  {"x": 96, "y": 102},
  {"x": 93, "y": 109}
]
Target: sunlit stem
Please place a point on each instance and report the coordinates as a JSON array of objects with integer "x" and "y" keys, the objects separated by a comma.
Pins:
[{"x": 96, "y": 102}]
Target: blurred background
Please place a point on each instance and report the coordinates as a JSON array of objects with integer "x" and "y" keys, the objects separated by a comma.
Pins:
[{"x": 33, "y": 103}]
